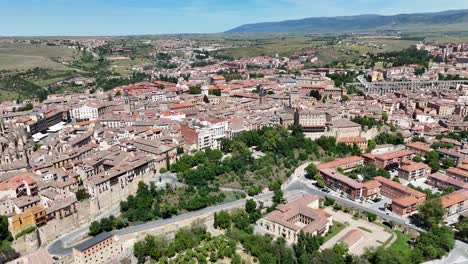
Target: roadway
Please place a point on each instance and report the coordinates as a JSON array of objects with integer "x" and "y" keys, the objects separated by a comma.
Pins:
[
  {"x": 297, "y": 183},
  {"x": 62, "y": 246}
]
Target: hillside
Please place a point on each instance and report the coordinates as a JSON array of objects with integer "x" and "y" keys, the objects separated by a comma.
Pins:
[{"x": 456, "y": 20}]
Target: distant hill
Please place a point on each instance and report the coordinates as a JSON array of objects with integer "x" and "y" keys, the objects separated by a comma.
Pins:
[{"x": 455, "y": 20}]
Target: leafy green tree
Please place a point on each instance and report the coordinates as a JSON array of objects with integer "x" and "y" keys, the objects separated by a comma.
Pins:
[
  {"x": 306, "y": 245},
  {"x": 222, "y": 220},
  {"x": 417, "y": 159},
  {"x": 462, "y": 229},
  {"x": 82, "y": 194},
  {"x": 448, "y": 162},
  {"x": 95, "y": 228},
  {"x": 311, "y": 171},
  {"x": 431, "y": 213},
  {"x": 278, "y": 196}
]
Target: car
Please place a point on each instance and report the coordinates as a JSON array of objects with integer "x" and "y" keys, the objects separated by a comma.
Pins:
[{"x": 55, "y": 258}]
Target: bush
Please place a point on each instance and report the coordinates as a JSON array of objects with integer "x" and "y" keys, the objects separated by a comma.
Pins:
[
  {"x": 337, "y": 207},
  {"x": 25, "y": 231}
]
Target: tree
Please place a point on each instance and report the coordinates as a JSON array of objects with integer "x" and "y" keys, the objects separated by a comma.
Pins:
[
  {"x": 432, "y": 159},
  {"x": 306, "y": 245},
  {"x": 462, "y": 229},
  {"x": 417, "y": 159},
  {"x": 311, "y": 171},
  {"x": 222, "y": 220},
  {"x": 206, "y": 100},
  {"x": 82, "y": 194},
  {"x": 431, "y": 213},
  {"x": 95, "y": 228},
  {"x": 315, "y": 94},
  {"x": 278, "y": 196},
  {"x": 448, "y": 162},
  {"x": 5, "y": 235},
  {"x": 371, "y": 145}
]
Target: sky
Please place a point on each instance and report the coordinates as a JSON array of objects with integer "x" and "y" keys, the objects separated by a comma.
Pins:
[{"x": 138, "y": 17}]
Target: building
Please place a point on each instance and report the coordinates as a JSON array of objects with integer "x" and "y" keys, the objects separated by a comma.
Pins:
[
  {"x": 301, "y": 215},
  {"x": 458, "y": 174},
  {"x": 414, "y": 171},
  {"x": 87, "y": 112},
  {"x": 455, "y": 203},
  {"x": 351, "y": 141},
  {"x": 342, "y": 183},
  {"x": 342, "y": 128},
  {"x": 419, "y": 148},
  {"x": 371, "y": 188},
  {"x": 204, "y": 134},
  {"x": 34, "y": 216},
  {"x": 454, "y": 155},
  {"x": 103, "y": 248},
  {"x": 404, "y": 199},
  {"x": 345, "y": 164},
  {"x": 312, "y": 121},
  {"x": 442, "y": 181},
  {"x": 393, "y": 159}
]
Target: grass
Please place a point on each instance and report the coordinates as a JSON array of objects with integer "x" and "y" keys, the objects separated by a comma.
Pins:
[
  {"x": 336, "y": 228},
  {"x": 365, "y": 229},
  {"x": 400, "y": 245},
  {"x": 14, "y": 56}
]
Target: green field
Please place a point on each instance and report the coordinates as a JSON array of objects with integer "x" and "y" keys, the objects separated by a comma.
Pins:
[
  {"x": 28, "y": 56},
  {"x": 401, "y": 246}
]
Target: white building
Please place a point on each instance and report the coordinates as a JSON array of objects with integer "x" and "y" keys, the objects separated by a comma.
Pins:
[{"x": 87, "y": 112}]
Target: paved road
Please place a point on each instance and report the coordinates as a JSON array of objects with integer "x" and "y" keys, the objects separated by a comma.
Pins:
[
  {"x": 297, "y": 183},
  {"x": 61, "y": 247}
]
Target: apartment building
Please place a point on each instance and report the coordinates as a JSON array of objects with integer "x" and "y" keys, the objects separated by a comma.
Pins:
[
  {"x": 455, "y": 203},
  {"x": 413, "y": 171},
  {"x": 371, "y": 188},
  {"x": 393, "y": 159},
  {"x": 203, "y": 134},
  {"x": 345, "y": 164},
  {"x": 342, "y": 183},
  {"x": 419, "y": 148},
  {"x": 404, "y": 199},
  {"x": 442, "y": 181},
  {"x": 458, "y": 174}
]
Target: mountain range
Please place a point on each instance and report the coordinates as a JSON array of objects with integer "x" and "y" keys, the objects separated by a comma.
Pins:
[{"x": 454, "y": 20}]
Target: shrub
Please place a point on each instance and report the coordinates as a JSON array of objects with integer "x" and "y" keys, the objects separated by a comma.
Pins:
[{"x": 25, "y": 231}]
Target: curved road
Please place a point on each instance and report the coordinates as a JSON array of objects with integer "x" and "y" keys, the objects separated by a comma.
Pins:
[{"x": 63, "y": 246}]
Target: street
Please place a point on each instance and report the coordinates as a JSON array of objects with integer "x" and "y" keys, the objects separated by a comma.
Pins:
[{"x": 296, "y": 183}]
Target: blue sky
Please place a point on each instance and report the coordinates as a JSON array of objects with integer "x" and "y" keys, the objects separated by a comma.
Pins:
[{"x": 127, "y": 17}]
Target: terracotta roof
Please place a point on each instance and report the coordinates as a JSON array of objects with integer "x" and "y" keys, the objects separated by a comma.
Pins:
[
  {"x": 405, "y": 201},
  {"x": 340, "y": 162},
  {"x": 372, "y": 184},
  {"x": 393, "y": 155},
  {"x": 454, "y": 198},
  {"x": 414, "y": 166},
  {"x": 352, "y": 237},
  {"x": 332, "y": 173},
  {"x": 457, "y": 172},
  {"x": 398, "y": 186}
]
